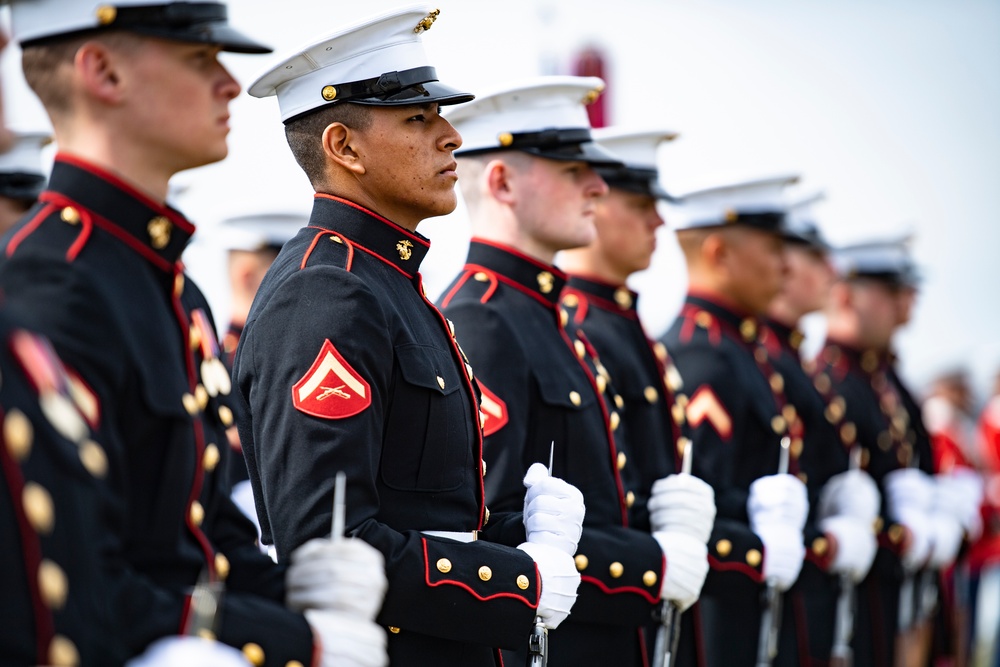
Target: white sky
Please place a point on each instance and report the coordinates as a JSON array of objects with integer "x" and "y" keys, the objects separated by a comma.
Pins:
[{"x": 891, "y": 106}]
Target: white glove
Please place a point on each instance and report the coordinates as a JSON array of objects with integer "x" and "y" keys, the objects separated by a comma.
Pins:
[
  {"x": 553, "y": 510},
  {"x": 910, "y": 493},
  {"x": 778, "y": 500},
  {"x": 190, "y": 652},
  {"x": 687, "y": 567},
  {"x": 348, "y": 641},
  {"x": 682, "y": 504},
  {"x": 347, "y": 576},
  {"x": 852, "y": 493},
  {"x": 784, "y": 554},
  {"x": 960, "y": 493},
  {"x": 856, "y": 545},
  {"x": 560, "y": 580},
  {"x": 946, "y": 539}
]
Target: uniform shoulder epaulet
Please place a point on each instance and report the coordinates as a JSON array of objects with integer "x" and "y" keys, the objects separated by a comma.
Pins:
[
  {"x": 480, "y": 284},
  {"x": 575, "y": 304},
  {"x": 699, "y": 325},
  {"x": 57, "y": 226},
  {"x": 328, "y": 248}
]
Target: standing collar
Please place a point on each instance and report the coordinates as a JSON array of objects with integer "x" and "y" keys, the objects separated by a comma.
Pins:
[
  {"x": 615, "y": 298},
  {"x": 867, "y": 361},
  {"x": 156, "y": 231},
  {"x": 381, "y": 237},
  {"x": 746, "y": 327},
  {"x": 790, "y": 338},
  {"x": 543, "y": 281}
]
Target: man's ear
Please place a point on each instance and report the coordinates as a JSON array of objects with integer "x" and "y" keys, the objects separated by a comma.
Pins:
[
  {"x": 501, "y": 181},
  {"x": 101, "y": 72},
  {"x": 715, "y": 248},
  {"x": 338, "y": 144}
]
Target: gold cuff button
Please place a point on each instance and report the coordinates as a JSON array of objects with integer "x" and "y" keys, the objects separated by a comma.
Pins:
[
  {"x": 820, "y": 546},
  {"x": 723, "y": 548},
  {"x": 754, "y": 558},
  {"x": 523, "y": 582},
  {"x": 444, "y": 565},
  {"x": 581, "y": 562},
  {"x": 254, "y": 654},
  {"x": 485, "y": 573},
  {"x": 649, "y": 578},
  {"x": 616, "y": 570}
]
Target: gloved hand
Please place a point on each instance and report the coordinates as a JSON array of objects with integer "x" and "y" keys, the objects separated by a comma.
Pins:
[
  {"x": 946, "y": 539},
  {"x": 784, "y": 554},
  {"x": 856, "y": 545},
  {"x": 852, "y": 493},
  {"x": 682, "y": 504},
  {"x": 778, "y": 500},
  {"x": 687, "y": 567},
  {"x": 553, "y": 510},
  {"x": 348, "y": 641},
  {"x": 190, "y": 652},
  {"x": 560, "y": 580},
  {"x": 960, "y": 493},
  {"x": 347, "y": 576},
  {"x": 909, "y": 494}
]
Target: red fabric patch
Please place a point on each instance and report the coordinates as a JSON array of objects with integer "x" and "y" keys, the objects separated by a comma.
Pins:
[
  {"x": 705, "y": 406},
  {"x": 493, "y": 411},
  {"x": 331, "y": 389}
]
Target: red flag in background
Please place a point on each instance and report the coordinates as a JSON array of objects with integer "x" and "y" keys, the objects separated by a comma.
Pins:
[{"x": 590, "y": 62}]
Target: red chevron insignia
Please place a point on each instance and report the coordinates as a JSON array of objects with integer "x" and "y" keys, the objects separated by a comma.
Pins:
[
  {"x": 331, "y": 389},
  {"x": 492, "y": 411}
]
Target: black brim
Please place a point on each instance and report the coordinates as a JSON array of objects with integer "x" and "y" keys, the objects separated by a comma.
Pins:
[
  {"x": 424, "y": 93},
  {"x": 218, "y": 34},
  {"x": 588, "y": 152}
]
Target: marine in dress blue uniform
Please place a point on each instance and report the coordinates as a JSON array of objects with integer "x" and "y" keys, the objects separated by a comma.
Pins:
[
  {"x": 95, "y": 267},
  {"x": 56, "y": 606},
  {"x": 373, "y": 382},
  {"x": 738, "y": 414},
  {"x": 547, "y": 386}
]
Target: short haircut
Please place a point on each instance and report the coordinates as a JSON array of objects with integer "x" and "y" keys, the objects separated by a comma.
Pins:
[
  {"x": 46, "y": 65},
  {"x": 305, "y": 134}
]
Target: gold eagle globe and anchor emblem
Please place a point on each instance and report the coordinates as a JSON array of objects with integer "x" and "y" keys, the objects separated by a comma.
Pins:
[{"x": 404, "y": 249}]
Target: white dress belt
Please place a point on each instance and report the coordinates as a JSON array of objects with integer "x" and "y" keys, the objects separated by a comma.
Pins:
[{"x": 462, "y": 536}]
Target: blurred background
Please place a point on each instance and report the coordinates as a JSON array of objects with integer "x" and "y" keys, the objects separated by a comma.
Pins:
[{"x": 892, "y": 107}]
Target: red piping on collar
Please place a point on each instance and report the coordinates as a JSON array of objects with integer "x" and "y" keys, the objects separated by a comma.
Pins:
[
  {"x": 359, "y": 207},
  {"x": 517, "y": 253}
]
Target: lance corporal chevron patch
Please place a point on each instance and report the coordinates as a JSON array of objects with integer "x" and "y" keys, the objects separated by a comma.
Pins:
[{"x": 331, "y": 389}]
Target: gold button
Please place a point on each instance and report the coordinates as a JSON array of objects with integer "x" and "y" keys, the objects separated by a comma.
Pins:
[
  {"x": 629, "y": 499},
  {"x": 70, "y": 215},
  {"x": 160, "y": 229},
  {"x": 796, "y": 448},
  {"x": 563, "y": 318},
  {"x": 38, "y": 507},
  {"x": 179, "y": 284},
  {"x": 723, "y": 548},
  {"x": 581, "y": 562},
  {"x": 440, "y": 381},
  {"x": 444, "y": 565},
  {"x": 581, "y": 349},
  {"x": 703, "y": 319},
  {"x": 571, "y": 300},
  {"x": 337, "y": 239},
  {"x": 486, "y": 515},
  {"x": 485, "y": 573},
  {"x": 896, "y": 533},
  {"x": 63, "y": 652},
  {"x": 329, "y": 93},
  {"x": 221, "y": 566},
  {"x": 52, "y": 584},
  {"x": 672, "y": 378},
  {"x": 877, "y": 525},
  {"x": 651, "y": 394},
  {"x": 602, "y": 383},
  {"x": 778, "y": 424},
  {"x": 619, "y": 401},
  {"x": 483, "y": 465},
  {"x": 777, "y": 383},
  {"x": 225, "y": 415},
  {"x": 820, "y": 545},
  {"x": 622, "y": 460},
  {"x": 254, "y": 654},
  {"x": 616, "y": 570},
  {"x": 190, "y": 403},
  {"x": 94, "y": 459},
  {"x": 393, "y": 629},
  {"x": 574, "y": 398},
  {"x": 481, "y": 277},
  {"x": 677, "y": 412},
  {"x": 848, "y": 433},
  {"x": 615, "y": 420},
  {"x": 523, "y": 582},
  {"x": 211, "y": 457},
  {"x": 294, "y": 663},
  {"x": 753, "y": 558},
  {"x": 660, "y": 350},
  {"x": 623, "y": 298},
  {"x": 748, "y": 329},
  {"x": 18, "y": 434},
  {"x": 197, "y": 513},
  {"x": 789, "y": 413},
  {"x": 505, "y": 139},
  {"x": 649, "y": 578},
  {"x": 201, "y": 396}
]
